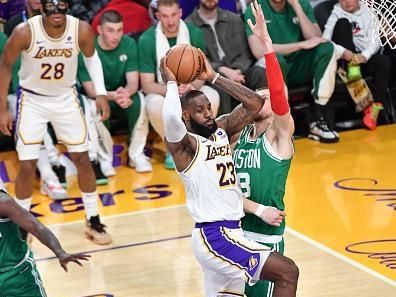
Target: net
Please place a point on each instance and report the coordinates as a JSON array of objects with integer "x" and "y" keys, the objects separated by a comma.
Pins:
[{"x": 384, "y": 14}]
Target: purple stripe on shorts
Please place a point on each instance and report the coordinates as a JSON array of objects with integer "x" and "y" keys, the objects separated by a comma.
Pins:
[
  {"x": 230, "y": 251},
  {"x": 32, "y": 92}
]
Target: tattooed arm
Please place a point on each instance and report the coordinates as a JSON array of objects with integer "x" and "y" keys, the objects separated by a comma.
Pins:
[{"x": 244, "y": 113}]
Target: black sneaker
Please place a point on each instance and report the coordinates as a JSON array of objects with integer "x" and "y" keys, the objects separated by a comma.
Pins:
[
  {"x": 101, "y": 179},
  {"x": 96, "y": 231},
  {"x": 320, "y": 131},
  {"x": 60, "y": 172}
]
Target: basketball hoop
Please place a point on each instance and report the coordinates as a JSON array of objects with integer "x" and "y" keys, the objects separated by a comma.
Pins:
[{"x": 384, "y": 15}]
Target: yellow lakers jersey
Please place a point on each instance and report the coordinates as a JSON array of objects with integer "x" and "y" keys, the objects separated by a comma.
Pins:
[
  {"x": 210, "y": 181},
  {"x": 49, "y": 66}
]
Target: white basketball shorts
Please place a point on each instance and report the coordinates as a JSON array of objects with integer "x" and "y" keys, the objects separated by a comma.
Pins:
[
  {"x": 35, "y": 111},
  {"x": 228, "y": 259}
]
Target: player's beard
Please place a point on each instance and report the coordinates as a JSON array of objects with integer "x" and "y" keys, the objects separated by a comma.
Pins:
[{"x": 203, "y": 130}]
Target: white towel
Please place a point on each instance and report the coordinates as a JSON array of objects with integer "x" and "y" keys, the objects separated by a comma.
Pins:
[{"x": 162, "y": 44}]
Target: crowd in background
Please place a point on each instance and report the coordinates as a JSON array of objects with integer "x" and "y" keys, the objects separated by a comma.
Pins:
[{"x": 134, "y": 35}]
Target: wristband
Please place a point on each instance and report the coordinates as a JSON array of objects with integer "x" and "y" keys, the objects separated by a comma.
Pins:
[
  {"x": 260, "y": 209},
  {"x": 215, "y": 78}
]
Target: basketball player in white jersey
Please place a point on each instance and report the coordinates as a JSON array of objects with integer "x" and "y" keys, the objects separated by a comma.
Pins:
[
  {"x": 49, "y": 45},
  {"x": 200, "y": 148}
]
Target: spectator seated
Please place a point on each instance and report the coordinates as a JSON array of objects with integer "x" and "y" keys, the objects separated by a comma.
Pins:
[
  {"x": 323, "y": 12},
  {"x": 343, "y": 105},
  {"x": 223, "y": 32}
]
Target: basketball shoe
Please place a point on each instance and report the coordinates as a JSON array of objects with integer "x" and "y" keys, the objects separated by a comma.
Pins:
[
  {"x": 321, "y": 132},
  {"x": 371, "y": 113},
  {"x": 96, "y": 232},
  {"x": 52, "y": 188},
  {"x": 101, "y": 179},
  {"x": 141, "y": 163},
  {"x": 60, "y": 172},
  {"x": 169, "y": 163},
  {"x": 107, "y": 168}
]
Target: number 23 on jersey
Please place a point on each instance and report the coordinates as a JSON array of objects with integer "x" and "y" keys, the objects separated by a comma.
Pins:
[{"x": 226, "y": 174}]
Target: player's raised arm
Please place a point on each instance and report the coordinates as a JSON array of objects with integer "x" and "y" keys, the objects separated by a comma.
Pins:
[
  {"x": 19, "y": 40},
  {"x": 10, "y": 209},
  {"x": 181, "y": 145},
  {"x": 283, "y": 122},
  {"x": 243, "y": 114}
]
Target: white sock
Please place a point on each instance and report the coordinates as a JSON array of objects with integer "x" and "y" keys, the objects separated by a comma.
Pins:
[
  {"x": 24, "y": 203},
  {"x": 90, "y": 201}
]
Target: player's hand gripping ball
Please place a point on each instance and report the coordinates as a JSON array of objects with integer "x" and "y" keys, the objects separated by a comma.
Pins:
[{"x": 186, "y": 62}]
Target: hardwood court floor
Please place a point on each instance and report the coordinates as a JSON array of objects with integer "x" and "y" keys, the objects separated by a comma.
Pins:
[
  {"x": 340, "y": 199},
  {"x": 152, "y": 256}
]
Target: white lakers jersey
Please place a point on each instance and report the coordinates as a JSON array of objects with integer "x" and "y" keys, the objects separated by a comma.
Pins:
[
  {"x": 210, "y": 181},
  {"x": 49, "y": 66}
]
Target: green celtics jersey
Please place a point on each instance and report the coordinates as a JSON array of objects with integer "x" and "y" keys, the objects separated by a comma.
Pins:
[
  {"x": 116, "y": 63},
  {"x": 283, "y": 27},
  {"x": 262, "y": 177},
  {"x": 13, "y": 249}
]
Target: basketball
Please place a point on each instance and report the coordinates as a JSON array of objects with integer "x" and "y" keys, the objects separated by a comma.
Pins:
[{"x": 185, "y": 61}]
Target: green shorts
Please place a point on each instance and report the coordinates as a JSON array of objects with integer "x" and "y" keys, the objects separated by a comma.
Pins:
[
  {"x": 265, "y": 288},
  {"x": 23, "y": 281}
]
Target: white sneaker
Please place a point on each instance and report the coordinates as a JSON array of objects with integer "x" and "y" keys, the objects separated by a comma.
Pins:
[
  {"x": 141, "y": 164},
  {"x": 53, "y": 189},
  {"x": 107, "y": 169},
  {"x": 320, "y": 131}
]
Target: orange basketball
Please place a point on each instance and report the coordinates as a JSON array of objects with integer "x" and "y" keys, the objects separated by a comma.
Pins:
[{"x": 185, "y": 61}]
